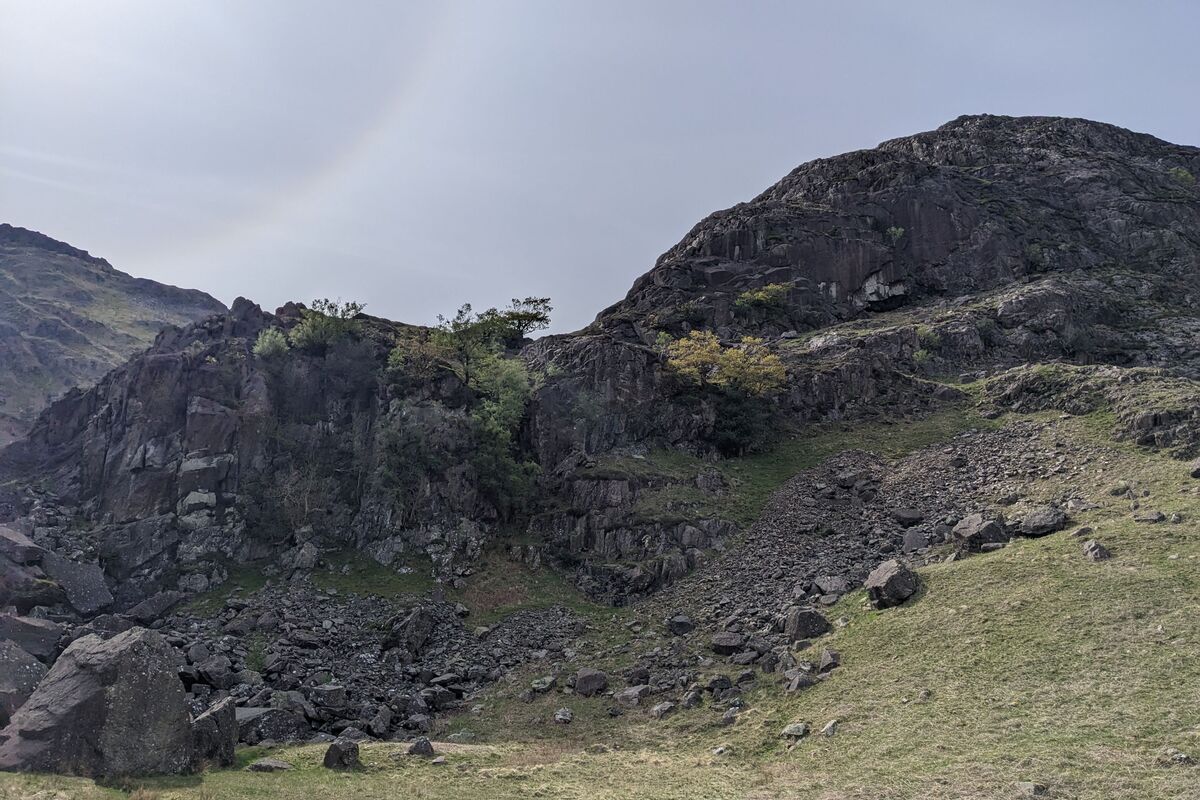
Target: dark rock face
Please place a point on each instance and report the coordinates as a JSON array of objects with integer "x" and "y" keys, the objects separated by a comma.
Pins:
[
  {"x": 69, "y": 317},
  {"x": 19, "y": 676},
  {"x": 106, "y": 708},
  {"x": 275, "y": 724},
  {"x": 342, "y": 754}
]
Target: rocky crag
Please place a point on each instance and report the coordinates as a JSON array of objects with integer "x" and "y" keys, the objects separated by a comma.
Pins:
[
  {"x": 1006, "y": 264},
  {"x": 67, "y": 318}
]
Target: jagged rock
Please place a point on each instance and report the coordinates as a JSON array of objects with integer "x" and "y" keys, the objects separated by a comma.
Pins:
[
  {"x": 890, "y": 584},
  {"x": 1149, "y": 517},
  {"x": 795, "y": 731},
  {"x": 974, "y": 531},
  {"x": 342, "y": 754},
  {"x": 908, "y": 517},
  {"x": 727, "y": 643},
  {"x": 19, "y": 676},
  {"x": 215, "y": 733},
  {"x": 155, "y": 607},
  {"x": 83, "y": 584},
  {"x": 830, "y": 660},
  {"x": 99, "y": 707},
  {"x": 275, "y": 724},
  {"x": 38, "y": 637},
  {"x": 680, "y": 625},
  {"x": 268, "y": 765},
  {"x": 1043, "y": 520},
  {"x": 421, "y": 747},
  {"x": 662, "y": 709},
  {"x": 412, "y": 632},
  {"x": 1094, "y": 551},
  {"x": 563, "y": 716},
  {"x": 632, "y": 695},
  {"x": 590, "y": 682},
  {"x": 804, "y": 623}
]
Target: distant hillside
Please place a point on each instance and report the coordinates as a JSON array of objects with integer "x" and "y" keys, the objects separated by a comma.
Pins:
[{"x": 67, "y": 318}]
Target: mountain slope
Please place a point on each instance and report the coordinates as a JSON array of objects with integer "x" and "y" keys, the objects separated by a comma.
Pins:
[
  {"x": 67, "y": 318},
  {"x": 994, "y": 324}
]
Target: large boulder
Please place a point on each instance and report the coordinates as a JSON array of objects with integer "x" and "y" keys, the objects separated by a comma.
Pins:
[
  {"x": 83, "y": 584},
  {"x": 106, "y": 708},
  {"x": 974, "y": 531},
  {"x": 215, "y": 733},
  {"x": 589, "y": 682},
  {"x": 804, "y": 623},
  {"x": 890, "y": 584},
  {"x": 19, "y": 676},
  {"x": 259, "y": 724},
  {"x": 36, "y": 636},
  {"x": 1042, "y": 520}
]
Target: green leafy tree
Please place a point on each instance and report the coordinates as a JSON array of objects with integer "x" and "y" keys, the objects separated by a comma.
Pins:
[
  {"x": 325, "y": 323},
  {"x": 701, "y": 359}
]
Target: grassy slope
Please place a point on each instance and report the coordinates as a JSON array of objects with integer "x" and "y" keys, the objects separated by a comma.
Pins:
[{"x": 1041, "y": 666}]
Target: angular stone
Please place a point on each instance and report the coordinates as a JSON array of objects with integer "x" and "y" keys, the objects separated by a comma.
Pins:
[
  {"x": 974, "y": 531},
  {"x": 38, "y": 637},
  {"x": 890, "y": 584},
  {"x": 1043, "y": 520},
  {"x": 19, "y": 676},
  {"x": 83, "y": 584},
  {"x": 106, "y": 708},
  {"x": 275, "y": 724},
  {"x": 727, "y": 643},
  {"x": 590, "y": 682},
  {"x": 804, "y": 623},
  {"x": 342, "y": 754},
  {"x": 215, "y": 733}
]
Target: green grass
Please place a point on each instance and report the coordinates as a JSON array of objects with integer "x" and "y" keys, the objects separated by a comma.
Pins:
[
  {"x": 1039, "y": 665},
  {"x": 501, "y": 587},
  {"x": 753, "y": 479},
  {"x": 242, "y": 581},
  {"x": 352, "y": 573}
]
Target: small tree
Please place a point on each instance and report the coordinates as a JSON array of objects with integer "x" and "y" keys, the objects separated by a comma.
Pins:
[
  {"x": 524, "y": 317},
  {"x": 772, "y": 297},
  {"x": 465, "y": 339},
  {"x": 750, "y": 367}
]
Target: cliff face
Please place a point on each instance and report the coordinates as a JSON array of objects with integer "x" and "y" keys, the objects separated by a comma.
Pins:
[
  {"x": 67, "y": 318},
  {"x": 884, "y": 279}
]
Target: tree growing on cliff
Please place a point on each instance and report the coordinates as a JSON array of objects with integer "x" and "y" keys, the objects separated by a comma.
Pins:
[
  {"x": 325, "y": 323},
  {"x": 749, "y": 367}
]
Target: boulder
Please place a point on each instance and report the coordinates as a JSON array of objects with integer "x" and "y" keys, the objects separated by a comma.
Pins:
[
  {"x": 589, "y": 682},
  {"x": 1094, "y": 551},
  {"x": 106, "y": 708},
  {"x": 268, "y": 765},
  {"x": 156, "y": 606},
  {"x": 804, "y": 623},
  {"x": 215, "y": 733},
  {"x": 38, "y": 637},
  {"x": 342, "y": 754},
  {"x": 258, "y": 724},
  {"x": 412, "y": 632},
  {"x": 974, "y": 531},
  {"x": 19, "y": 548},
  {"x": 632, "y": 695},
  {"x": 19, "y": 676},
  {"x": 890, "y": 584},
  {"x": 1043, "y": 520},
  {"x": 421, "y": 747},
  {"x": 795, "y": 731},
  {"x": 680, "y": 625},
  {"x": 1194, "y": 468},
  {"x": 908, "y": 517},
  {"x": 83, "y": 584},
  {"x": 727, "y": 643}
]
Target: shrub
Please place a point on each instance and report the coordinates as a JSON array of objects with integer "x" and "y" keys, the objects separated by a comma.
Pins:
[
  {"x": 271, "y": 343},
  {"x": 323, "y": 324},
  {"x": 1182, "y": 175},
  {"x": 503, "y": 476},
  {"x": 922, "y": 357},
  {"x": 773, "y": 296},
  {"x": 928, "y": 337},
  {"x": 895, "y": 233}
]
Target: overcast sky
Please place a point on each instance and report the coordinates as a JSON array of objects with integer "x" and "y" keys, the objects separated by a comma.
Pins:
[{"x": 418, "y": 155}]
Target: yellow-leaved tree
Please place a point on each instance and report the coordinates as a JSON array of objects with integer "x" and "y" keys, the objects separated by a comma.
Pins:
[{"x": 749, "y": 366}]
